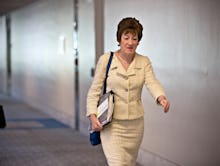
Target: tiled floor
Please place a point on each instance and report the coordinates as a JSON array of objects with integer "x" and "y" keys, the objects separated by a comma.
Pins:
[{"x": 32, "y": 138}]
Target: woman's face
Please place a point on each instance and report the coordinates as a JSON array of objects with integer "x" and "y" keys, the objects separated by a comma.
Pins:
[{"x": 129, "y": 43}]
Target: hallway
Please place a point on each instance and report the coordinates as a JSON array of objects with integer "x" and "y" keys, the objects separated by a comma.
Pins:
[
  {"x": 48, "y": 56},
  {"x": 32, "y": 138}
]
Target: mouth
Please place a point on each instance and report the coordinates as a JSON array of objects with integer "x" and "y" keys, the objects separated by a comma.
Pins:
[{"x": 130, "y": 48}]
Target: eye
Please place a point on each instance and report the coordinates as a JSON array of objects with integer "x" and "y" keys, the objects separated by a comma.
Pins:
[
  {"x": 135, "y": 38},
  {"x": 126, "y": 37}
]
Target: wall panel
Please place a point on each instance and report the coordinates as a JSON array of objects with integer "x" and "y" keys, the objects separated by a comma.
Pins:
[
  {"x": 182, "y": 39},
  {"x": 86, "y": 56},
  {"x": 42, "y": 72},
  {"x": 3, "y": 56}
]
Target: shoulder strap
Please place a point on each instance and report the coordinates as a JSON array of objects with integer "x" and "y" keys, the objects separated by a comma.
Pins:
[{"x": 107, "y": 69}]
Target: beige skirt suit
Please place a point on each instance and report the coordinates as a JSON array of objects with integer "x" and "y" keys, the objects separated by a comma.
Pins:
[{"x": 121, "y": 139}]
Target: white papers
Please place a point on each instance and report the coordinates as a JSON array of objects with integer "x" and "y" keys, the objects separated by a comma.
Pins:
[{"x": 105, "y": 108}]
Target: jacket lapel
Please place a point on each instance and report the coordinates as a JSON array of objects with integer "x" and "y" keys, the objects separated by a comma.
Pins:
[{"x": 134, "y": 66}]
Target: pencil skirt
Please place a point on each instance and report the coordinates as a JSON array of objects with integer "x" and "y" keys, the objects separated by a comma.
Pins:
[{"x": 121, "y": 140}]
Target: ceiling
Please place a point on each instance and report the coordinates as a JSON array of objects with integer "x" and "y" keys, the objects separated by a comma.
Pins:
[{"x": 10, "y": 5}]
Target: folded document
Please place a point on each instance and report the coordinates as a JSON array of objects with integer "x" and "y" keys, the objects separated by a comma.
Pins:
[{"x": 105, "y": 108}]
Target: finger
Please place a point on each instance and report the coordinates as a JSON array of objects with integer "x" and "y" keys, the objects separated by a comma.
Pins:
[
  {"x": 167, "y": 107},
  {"x": 99, "y": 126},
  {"x": 166, "y": 110},
  {"x": 96, "y": 128},
  {"x": 163, "y": 103},
  {"x": 98, "y": 123}
]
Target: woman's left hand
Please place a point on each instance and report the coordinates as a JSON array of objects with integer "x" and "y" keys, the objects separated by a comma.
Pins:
[{"x": 164, "y": 103}]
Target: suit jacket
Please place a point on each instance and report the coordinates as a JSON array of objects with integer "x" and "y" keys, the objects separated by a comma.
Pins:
[{"x": 126, "y": 85}]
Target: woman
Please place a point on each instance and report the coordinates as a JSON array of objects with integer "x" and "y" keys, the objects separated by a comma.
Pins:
[{"x": 128, "y": 72}]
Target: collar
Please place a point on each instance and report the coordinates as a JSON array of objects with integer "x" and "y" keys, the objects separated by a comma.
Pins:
[{"x": 135, "y": 65}]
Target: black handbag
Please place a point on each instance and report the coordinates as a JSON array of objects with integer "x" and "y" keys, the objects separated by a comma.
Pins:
[
  {"x": 94, "y": 136},
  {"x": 2, "y": 118}
]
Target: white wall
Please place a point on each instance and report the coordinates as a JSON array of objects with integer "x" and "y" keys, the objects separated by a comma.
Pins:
[
  {"x": 86, "y": 56},
  {"x": 42, "y": 72},
  {"x": 182, "y": 39},
  {"x": 3, "y": 62}
]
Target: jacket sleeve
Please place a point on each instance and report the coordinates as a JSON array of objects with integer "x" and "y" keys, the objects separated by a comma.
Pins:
[
  {"x": 151, "y": 82},
  {"x": 96, "y": 87}
]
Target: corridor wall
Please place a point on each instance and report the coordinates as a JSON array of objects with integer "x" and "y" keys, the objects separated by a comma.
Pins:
[
  {"x": 86, "y": 46},
  {"x": 43, "y": 62},
  {"x": 3, "y": 61},
  {"x": 182, "y": 39}
]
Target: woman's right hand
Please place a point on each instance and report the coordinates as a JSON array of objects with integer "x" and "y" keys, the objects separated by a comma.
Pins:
[{"x": 96, "y": 125}]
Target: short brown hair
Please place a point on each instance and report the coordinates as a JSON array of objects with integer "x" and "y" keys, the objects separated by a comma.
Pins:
[{"x": 127, "y": 25}]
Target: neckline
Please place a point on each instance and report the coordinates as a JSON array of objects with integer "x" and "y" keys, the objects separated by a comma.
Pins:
[{"x": 120, "y": 60}]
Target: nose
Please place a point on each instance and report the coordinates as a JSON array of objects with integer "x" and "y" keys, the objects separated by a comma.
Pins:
[{"x": 130, "y": 41}]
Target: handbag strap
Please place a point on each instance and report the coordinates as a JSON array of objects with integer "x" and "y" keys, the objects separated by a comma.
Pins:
[{"x": 107, "y": 69}]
